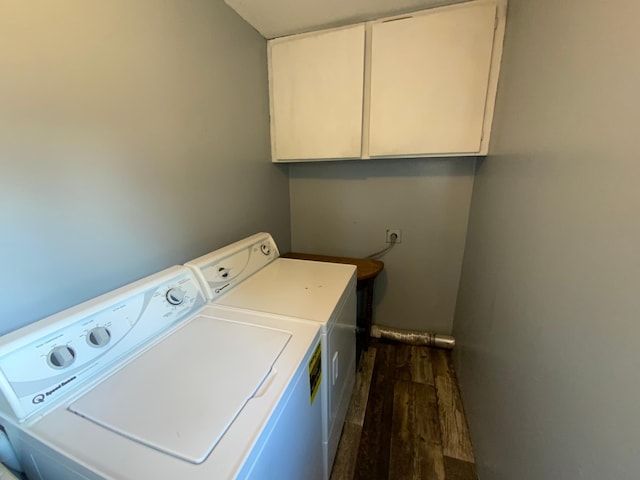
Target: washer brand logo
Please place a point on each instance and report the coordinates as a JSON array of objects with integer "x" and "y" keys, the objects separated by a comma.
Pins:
[
  {"x": 41, "y": 397},
  {"x": 218, "y": 290}
]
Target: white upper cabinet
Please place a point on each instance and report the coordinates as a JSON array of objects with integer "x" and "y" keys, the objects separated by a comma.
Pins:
[
  {"x": 429, "y": 81},
  {"x": 316, "y": 84},
  {"x": 417, "y": 85}
]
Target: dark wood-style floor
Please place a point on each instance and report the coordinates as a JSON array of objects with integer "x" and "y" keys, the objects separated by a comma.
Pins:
[{"x": 406, "y": 419}]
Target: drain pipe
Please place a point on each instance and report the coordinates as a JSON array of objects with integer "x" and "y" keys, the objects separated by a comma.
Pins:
[{"x": 413, "y": 337}]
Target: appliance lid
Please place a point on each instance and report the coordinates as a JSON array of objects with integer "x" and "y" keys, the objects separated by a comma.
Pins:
[
  {"x": 296, "y": 288},
  {"x": 182, "y": 395}
]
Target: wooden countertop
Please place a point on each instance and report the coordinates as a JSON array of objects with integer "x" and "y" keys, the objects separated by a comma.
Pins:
[{"x": 367, "y": 267}]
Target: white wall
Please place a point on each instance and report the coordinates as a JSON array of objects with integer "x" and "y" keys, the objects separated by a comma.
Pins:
[
  {"x": 344, "y": 209},
  {"x": 133, "y": 136},
  {"x": 547, "y": 321}
]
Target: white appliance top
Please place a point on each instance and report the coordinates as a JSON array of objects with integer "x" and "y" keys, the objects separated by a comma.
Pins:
[
  {"x": 182, "y": 395},
  {"x": 248, "y": 274},
  {"x": 148, "y": 381},
  {"x": 189, "y": 355},
  {"x": 296, "y": 288}
]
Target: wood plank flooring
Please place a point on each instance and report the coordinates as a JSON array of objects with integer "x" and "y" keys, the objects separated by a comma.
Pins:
[{"x": 406, "y": 419}]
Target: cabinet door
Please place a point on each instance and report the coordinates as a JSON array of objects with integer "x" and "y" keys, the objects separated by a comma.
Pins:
[
  {"x": 316, "y": 83},
  {"x": 429, "y": 80}
]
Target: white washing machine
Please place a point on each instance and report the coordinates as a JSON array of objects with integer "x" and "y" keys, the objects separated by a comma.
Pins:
[
  {"x": 149, "y": 382},
  {"x": 249, "y": 275}
]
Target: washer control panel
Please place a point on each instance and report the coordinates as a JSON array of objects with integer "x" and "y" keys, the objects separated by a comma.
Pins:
[
  {"x": 221, "y": 269},
  {"x": 43, "y": 362}
]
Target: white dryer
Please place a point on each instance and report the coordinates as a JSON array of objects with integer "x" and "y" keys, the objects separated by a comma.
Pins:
[
  {"x": 249, "y": 275},
  {"x": 150, "y": 382}
]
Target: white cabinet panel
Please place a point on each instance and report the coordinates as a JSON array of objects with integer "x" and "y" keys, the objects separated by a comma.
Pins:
[
  {"x": 316, "y": 94},
  {"x": 421, "y": 84},
  {"x": 429, "y": 81}
]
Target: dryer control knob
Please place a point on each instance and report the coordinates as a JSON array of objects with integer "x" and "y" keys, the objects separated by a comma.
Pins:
[
  {"x": 98, "y": 337},
  {"x": 265, "y": 248},
  {"x": 61, "y": 357},
  {"x": 175, "y": 296}
]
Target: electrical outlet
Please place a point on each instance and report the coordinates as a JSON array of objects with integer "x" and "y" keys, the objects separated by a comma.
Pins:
[{"x": 390, "y": 235}]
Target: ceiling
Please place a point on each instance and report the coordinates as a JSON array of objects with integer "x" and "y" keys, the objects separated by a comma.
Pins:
[{"x": 277, "y": 18}]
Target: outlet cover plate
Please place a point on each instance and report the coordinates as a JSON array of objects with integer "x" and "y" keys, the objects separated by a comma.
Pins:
[{"x": 397, "y": 232}]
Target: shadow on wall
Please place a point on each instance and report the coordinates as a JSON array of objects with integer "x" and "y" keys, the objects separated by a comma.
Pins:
[
  {"x": 380, "y": 287},
  {"x": 376, "y": 168},
  {"x": 344, "y": 208}
]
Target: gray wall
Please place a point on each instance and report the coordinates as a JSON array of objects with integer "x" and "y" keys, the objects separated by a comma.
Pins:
[
  {"x": 547, "y": 320},
  {"x": 344, "y": 208},
  {"x": 133, "y": 136}
]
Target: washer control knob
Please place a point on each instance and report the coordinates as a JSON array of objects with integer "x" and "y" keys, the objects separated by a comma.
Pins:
[
  {"x": 61, "y": 357},
  {"x": 265, "y": 248},
  {"x": 98, "y": 337},
  {"x": 175, "y": 296}
]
